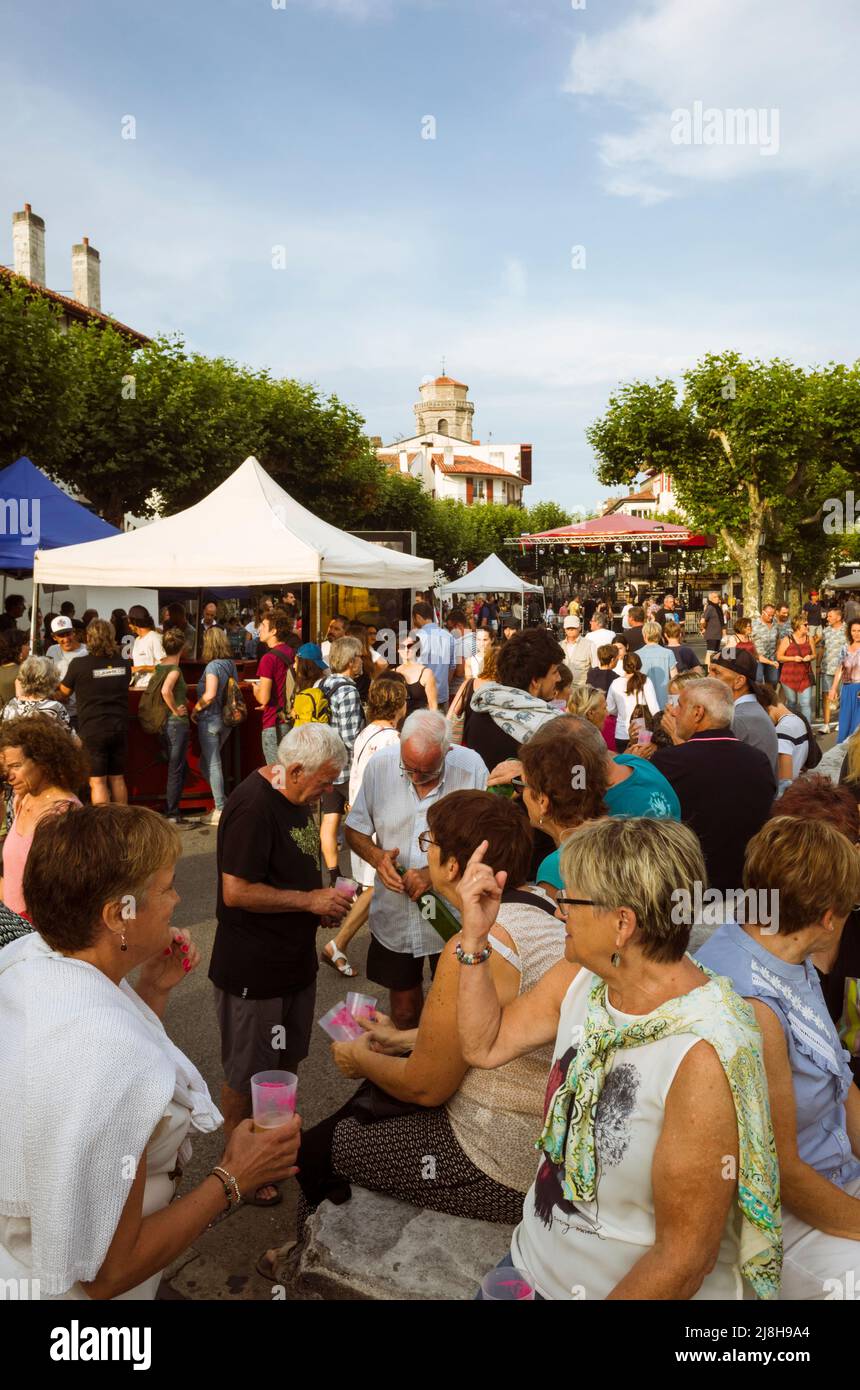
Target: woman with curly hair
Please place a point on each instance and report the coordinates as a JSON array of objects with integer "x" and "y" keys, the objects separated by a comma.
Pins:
[{"x": 45, "y": 768}]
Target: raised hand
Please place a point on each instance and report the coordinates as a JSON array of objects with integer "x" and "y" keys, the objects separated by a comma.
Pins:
[{"x": 480, "y": 892}]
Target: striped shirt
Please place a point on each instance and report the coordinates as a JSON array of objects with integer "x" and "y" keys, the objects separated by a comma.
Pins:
[{"x": 389, "y": 807}]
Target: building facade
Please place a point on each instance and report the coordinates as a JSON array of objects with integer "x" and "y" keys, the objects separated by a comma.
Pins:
[{"x": 448, "y": 461}]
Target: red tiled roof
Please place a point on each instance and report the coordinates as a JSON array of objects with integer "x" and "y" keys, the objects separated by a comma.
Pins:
[
  {"x": 76, "y": 310},
  {"x": 464, "y": 464},
  {"x": 449, "y": 381}
]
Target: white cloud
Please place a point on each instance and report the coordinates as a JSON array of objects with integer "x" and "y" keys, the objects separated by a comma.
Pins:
[
  {"x": 766, "y": 55},
  {"x": 515, "y": 278}
]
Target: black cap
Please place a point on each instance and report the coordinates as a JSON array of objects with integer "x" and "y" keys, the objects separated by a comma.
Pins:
[{"x": 742, "y": 662}]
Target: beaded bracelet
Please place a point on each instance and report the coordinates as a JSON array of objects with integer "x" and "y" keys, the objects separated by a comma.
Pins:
[
  {"x": 465, "y": 958},
  {"x": 230, "y": 1185}
]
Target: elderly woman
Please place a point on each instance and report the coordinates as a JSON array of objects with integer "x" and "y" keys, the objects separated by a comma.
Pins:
[
  {"x": 806, "y": 875},
  {"x": 96, "y": 1102},
  {"x": 36, "y": 688},
  {"x": 419, "y": 1095},
  {"x": 46, "y": 768},
  {"x": 658, "y": 1176}
]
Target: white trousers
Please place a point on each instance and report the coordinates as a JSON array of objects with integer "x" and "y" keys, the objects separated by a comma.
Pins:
[{"x": 816, "y": 1266}]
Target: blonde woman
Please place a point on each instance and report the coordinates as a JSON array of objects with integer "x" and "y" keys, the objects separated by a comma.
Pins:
[
  {"x": 588, "y": 703},
  {"x": 212, "y": 732}
]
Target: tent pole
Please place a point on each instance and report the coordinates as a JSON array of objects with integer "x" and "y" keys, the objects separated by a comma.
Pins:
[
  {"x": 33, "y": 612},
  {"x": 315, "y": 624},
  {"x": 199, "y": 634}
]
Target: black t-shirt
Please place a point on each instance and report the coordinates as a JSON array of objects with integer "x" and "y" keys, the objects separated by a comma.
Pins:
[
  {"x": 482, "y": 734},
  {"x": 635, "y": 639},
  {"x": 264, "y": 838},
  {"x": 600, "y": 679},
  {"x": 100, "y": 685},
  {"x": 813, "y": 613},
  {"x": 685, "y": 657}
]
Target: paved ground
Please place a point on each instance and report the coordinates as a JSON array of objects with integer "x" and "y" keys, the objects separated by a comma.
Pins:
[{"x": 221, "y": 1265}]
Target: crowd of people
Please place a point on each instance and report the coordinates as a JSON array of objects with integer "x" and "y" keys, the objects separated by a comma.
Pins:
[{"x": 611, "y": 899}]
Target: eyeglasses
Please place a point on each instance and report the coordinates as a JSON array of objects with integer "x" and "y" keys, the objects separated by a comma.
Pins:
[
  {"x": 418, "y": 775},
  {"x": 520, "y": 783},
  {"x": 425, "y": 840},
  {"x": 565, "y": 903}
]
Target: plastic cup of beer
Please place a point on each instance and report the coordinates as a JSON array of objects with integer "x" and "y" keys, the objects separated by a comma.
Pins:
[
  {"x": 507, "y": 1283},
  {"x": 644, "y": 736},
  {"x": 361, "y": 1005},
  {"x": 273, "y": 1098},
  {"x": 347, "y": 886}
]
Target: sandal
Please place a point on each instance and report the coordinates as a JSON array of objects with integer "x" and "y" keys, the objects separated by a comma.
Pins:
[
  {"x": 266, "y": 1267},
  {"x": 256, "y": 1201},
  {"x": 348, "y": 971}
]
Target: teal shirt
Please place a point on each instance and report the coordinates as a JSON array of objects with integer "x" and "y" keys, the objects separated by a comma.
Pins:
[{"x": 646, "y": 792}]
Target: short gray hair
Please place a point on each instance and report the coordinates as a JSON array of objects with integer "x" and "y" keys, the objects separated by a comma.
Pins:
[
  {"x": 641, "y": 863},
  {"x": 39, "y": 676},
  {"x": 716, "y": 700},
  {"x": 342, "y": 652},
  {"x": 312, "y": 746},
  {"x": 428, "y": 729}
]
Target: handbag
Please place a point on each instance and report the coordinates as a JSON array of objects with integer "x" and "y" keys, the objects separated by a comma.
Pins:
[
  {"x": 371, "y": 1104},
  {"x": 458, "y": 723}
]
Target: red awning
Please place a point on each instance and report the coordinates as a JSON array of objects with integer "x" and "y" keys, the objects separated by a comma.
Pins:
[{"x": 617, "y": 529}]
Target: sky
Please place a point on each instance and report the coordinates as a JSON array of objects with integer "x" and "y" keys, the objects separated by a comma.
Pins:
[{"x": 547, "y": 193}]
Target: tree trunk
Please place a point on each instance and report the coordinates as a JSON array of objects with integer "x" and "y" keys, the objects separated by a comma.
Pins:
[{"x": 771, "y": 578}]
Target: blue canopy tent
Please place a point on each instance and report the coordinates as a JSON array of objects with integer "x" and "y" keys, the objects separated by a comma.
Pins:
[{"x": 36, "y": 514}]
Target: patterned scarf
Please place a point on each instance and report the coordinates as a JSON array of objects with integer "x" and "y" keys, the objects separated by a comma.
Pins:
[
  {"x": 515, "y": 711},
  {"x": 719, "y": 1015}
]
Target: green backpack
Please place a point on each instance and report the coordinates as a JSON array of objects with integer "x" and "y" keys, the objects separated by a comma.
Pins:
[{"x": 152, "y": 712}]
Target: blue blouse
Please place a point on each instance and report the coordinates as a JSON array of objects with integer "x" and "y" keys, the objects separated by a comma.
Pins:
[
  {"x": 223, "y": 668},
  {"x": 819, "y": 1063}
]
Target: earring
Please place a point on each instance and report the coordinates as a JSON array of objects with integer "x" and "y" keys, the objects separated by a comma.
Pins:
[
  {"x": 122, "y": 942},
  {"x": 616, "y": 959}
]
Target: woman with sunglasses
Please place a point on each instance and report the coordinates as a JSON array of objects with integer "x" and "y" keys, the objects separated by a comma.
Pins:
[
  {"x": 421, "y": 690},
  {"x": 657, "y": 1097},
  {"x": 419, "y": 1097}
]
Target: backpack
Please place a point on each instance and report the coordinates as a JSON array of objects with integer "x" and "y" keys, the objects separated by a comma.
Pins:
[
  {"x": 152, "y": 712},
  {"x": 814, "y": 755},
  {"x": 311, "y": 707},
  {"x": 283, "y": 715},
  {"x": 234, "y": 711}
]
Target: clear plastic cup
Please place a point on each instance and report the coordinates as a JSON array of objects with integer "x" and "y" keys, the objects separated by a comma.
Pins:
[
  {"x": 340, "y": 1024},
  {"x": 507, "y": 1283},
  {"x": 361, "y": 1005},
  {"x": 273, "y": 1098},
  {"x": 644, "y": 736},
  {"x": 347, "y": 886}
]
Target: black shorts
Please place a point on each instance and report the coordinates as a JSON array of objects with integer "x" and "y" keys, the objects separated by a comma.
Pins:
[
  {"x": 108, "y": 751},
  {"x": 395, "y": 970},
  {"x": 333, "y": 803}
]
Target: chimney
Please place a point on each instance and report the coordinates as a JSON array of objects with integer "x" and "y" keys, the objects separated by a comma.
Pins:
[
  {"x": 86, "y": 275},
  {"x": 448, "y": 452},
  {"x": 28, "y": 242},
  {"x": 404, "y": 461}
]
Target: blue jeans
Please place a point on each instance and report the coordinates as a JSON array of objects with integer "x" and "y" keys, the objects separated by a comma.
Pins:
[
  {"x": 800, "y": 701},
  {"x": 270, "y": 739},
  {"x": 212, "y": 735},
  {"x": 767, "y": 675},
  {"x": 176, "y": 735}
]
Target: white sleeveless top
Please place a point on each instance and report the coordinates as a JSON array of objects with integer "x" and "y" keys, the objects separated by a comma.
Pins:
[
  {"x": 584, "y": 1250},
  {"x": 496, "y": 1115}
]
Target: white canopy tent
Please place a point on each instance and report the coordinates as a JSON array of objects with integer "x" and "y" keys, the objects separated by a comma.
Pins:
[
  {"x": 492, "y": 576},
  {"x": 248, "y": 531},
  {"x": 848, "y": 581}
]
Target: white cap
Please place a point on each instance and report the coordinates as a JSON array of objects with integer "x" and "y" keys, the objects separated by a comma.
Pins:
[
  {"x": 571, "y": 621},
  {"x": 62, "y": 624}
]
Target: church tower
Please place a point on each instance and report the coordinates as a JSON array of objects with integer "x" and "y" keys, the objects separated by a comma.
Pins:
[{"x": 444, "y": 409}]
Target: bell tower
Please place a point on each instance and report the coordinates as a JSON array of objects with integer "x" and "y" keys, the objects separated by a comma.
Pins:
[{"x": 444, "y": 408}]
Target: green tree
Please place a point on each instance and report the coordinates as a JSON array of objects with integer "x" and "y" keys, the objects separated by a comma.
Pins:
[{"x": 34, "y": 373}]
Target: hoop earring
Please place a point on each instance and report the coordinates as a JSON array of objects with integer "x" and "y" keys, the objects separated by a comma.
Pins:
[{"x": 123, "y": 946}]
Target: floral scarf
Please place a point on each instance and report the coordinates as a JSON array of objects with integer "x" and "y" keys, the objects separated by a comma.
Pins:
[
  {"x": 515, "y": 711},
  {"x": 719, "y": 1015}
]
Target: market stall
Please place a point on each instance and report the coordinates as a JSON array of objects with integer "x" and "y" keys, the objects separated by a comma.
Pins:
[{"x": 246, "y": 532}]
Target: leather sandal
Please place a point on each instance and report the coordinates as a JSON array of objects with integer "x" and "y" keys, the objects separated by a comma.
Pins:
[{"x": 338, "y": 961}]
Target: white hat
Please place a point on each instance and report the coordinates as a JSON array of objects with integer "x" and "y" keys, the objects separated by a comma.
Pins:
[
  {"x": 62, "y": 624},
  {"x": 571, "y": 621}
]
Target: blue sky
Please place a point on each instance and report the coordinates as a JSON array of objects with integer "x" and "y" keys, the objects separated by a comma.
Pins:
[{"x": 259, "y": 127}]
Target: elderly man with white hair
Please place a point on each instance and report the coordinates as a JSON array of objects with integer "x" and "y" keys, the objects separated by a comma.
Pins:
[
  {"x": 270, "y": 903},
  {"x": 383, "y": 828},
  {"x": 726, "y": 787}
]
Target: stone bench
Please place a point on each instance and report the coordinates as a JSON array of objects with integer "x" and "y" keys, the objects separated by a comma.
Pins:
[{"x": 376, "y": 1248}]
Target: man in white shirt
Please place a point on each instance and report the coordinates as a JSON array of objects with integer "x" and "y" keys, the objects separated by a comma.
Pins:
[
  {"x": 65, "y": 650},
  {"x": 577, "y": 649},
  {"x": 599, "y": 636}
]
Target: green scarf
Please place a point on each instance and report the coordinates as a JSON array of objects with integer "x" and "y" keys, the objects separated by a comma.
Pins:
[{"x": 720, "y": 1016}]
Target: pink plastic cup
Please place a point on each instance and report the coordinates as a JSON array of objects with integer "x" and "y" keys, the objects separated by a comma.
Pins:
[
  {"x": 507, "y": 1283},
  {"x": 347, "y": 886},
  {"x": 361, "y": 1005},
  {"x": 340, "y": 1024},
  {"x": 273, "y": 1097}
]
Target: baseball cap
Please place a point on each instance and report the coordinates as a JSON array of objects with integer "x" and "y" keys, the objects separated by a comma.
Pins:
[
  {"x": 743, "y": 663},
  {"x": 571, "y": 621},
  {"x": 62, "y": 624},
  {"x": 311, "y": 652}
]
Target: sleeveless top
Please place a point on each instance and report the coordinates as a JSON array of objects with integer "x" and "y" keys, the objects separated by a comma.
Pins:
[
  {"x": 850, "y": 663},
  {"x": 416, "y": 696},
  {"x": 792, "y": 674},
  {"x": 496, "y": 1115},
  {"x": 820, "y": 1066},
  {"x": 16, "y": 848},
  {"x": 582, "y": 1250}
]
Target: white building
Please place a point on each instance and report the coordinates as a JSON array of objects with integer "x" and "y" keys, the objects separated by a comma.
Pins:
[
  {"x": 654, "y": 497},
  {"x": 448, "y": 461}
]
